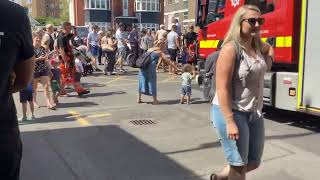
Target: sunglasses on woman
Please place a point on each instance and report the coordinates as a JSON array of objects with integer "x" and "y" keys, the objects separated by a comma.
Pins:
[{"x": 253, "y": 21}]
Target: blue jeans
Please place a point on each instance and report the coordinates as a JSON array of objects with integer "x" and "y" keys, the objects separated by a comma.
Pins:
[
  {"x": 248, "y": 149},
  {"x": 186, "y": 90}
]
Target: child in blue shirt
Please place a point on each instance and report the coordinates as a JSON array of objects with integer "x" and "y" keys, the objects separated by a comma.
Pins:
[{"x": 26, "y": 96}]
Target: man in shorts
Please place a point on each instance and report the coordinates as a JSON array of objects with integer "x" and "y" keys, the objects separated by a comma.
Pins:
[
  {"x": 173, "y": 46},
  {"x": 93, "y": 45},
  {"x": 122, "y": 46}
]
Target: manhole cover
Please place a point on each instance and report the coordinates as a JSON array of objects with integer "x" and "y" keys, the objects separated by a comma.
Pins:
[{"x": 142, "y": 122}]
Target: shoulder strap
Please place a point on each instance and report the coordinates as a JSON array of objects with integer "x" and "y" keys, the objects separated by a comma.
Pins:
[{"x": 239, "y": 57}]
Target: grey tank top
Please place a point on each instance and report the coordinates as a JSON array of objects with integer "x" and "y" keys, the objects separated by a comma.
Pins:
[{"x": 247, "y": 84}]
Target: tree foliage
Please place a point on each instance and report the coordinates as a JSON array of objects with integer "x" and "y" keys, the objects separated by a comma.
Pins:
[{"x": 64, "y": 15}]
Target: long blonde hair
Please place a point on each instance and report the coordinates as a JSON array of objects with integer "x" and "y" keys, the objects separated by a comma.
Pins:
[{"x": 234, "y": 32}]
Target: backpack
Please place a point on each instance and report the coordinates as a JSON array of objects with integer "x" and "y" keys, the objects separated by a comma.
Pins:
[
  {"x": 143, "y": 61},
  {"x": 209, "y": 78}
]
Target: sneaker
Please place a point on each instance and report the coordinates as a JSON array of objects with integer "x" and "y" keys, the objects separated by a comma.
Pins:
[
  {"x": 31, "y": 118},
  {"x": 23, "y": 119},
  {"x": 83, "y": 92},
  {"x": 123, "y": 70},
  {"x": 113, "y": 73}
]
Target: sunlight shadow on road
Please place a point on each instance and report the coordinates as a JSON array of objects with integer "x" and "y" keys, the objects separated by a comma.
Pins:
[{"x": 95, "y": 153}]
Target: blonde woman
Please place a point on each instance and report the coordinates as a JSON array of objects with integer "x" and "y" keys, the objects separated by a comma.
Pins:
[
  {"x": 148, "y": 76},
  {"x": 237, "y": 105},
  {"x": 101, "y": 34},
  {"x": 109, "y": 55}
]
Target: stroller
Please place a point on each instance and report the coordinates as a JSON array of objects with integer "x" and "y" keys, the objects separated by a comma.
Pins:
[{"x": 86, "y": 60}]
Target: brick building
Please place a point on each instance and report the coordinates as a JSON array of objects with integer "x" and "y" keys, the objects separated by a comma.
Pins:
[
  {"x": 36, "y": 8},
  {"x": 106, "y": 13},
  {"x": 183, "y": 10}
]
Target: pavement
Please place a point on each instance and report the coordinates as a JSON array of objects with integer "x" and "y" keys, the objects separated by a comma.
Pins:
[{"x": 106, "y": 135}]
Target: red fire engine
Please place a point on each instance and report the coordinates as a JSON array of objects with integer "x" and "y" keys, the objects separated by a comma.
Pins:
[{"x": 290, "y": 29}]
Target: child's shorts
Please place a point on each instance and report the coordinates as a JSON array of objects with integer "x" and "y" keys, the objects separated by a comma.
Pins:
[
  {"x": 26, "y": 95},
  {"x": 186, "y": 90},
  {"x": 55, "y": 86}
]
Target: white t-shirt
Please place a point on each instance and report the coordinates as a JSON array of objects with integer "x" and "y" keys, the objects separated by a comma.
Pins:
[
  {"x": 120, "y": 36},
  {"x": 172, "y": 36},
  {"x": 79, "y": 66}
]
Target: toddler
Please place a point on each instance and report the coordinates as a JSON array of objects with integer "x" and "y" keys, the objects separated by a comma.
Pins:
[
  {"x": 26, "y": 96},
  {"x": 186, "y": 82},
  {"x": 55, "y": 80}
]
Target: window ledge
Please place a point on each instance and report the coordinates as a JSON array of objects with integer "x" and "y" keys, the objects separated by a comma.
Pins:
[
  {"x": 97, "y": 9},
  {"x": 146, "y": 11}
]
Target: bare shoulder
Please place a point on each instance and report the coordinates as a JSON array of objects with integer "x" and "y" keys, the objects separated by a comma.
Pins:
[{"x": 228, "y": 49}]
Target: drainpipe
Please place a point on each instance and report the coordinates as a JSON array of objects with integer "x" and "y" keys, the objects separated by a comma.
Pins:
[{"x": 112, "y": 15}]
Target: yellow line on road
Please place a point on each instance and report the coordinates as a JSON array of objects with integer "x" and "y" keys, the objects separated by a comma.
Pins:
[
  {"x": 98, "y": 115},
  {"x": 81, "y": 120}
]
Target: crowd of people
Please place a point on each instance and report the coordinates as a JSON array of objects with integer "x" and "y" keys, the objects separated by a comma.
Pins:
[{"x": 62, "y": 58}]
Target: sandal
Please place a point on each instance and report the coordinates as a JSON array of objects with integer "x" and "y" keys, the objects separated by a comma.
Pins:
[
  {"x": 51, "y": 107},
  {"x": 155, "y": 103},
  {"x": 213, "y": 177}
]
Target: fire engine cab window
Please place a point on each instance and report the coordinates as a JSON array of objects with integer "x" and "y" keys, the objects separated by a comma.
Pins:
[
  {"x": 265, "y": 6},
  {"x": 215, "y": 10}
]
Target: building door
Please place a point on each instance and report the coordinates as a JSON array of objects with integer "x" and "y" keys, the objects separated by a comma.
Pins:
[{"x": 125, "y": 5}]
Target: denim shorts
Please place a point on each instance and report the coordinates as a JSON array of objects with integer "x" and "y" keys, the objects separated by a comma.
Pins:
[
  {"x": 94, "y": 50},
  {"x": 186, "y": 90},
  {"x": 248, "y": 149}
]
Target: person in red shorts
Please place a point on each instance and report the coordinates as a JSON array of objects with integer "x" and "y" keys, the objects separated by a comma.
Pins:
[{"x": 67, "y": 65}]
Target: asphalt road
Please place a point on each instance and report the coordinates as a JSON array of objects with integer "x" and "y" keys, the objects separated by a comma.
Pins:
[{"x": 106, "y": 135}]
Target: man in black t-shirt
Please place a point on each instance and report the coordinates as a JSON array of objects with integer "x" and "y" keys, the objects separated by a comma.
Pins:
[
  {"x": 190, "y": 37},
  {"x": 16, "y": 70}
]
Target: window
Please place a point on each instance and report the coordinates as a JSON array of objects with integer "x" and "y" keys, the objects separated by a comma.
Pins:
[
  {"x": 185, "y": 15},
  {"x": 185, "y": 4},
  {"x": 147, "y": 26},
  {"x": 28, "y": 1},
  {"x": 185, "y": 25},
  {"x": 98, "y": 4},
  {"x": 29, "y": 10},
  {"x": 102, "y": 25},
  {"x": 170, "y": 1},
  {"x": 265, "y": 6},
  {"x": 215, "y": 10},
  {"x": 148, "y": 5}
]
